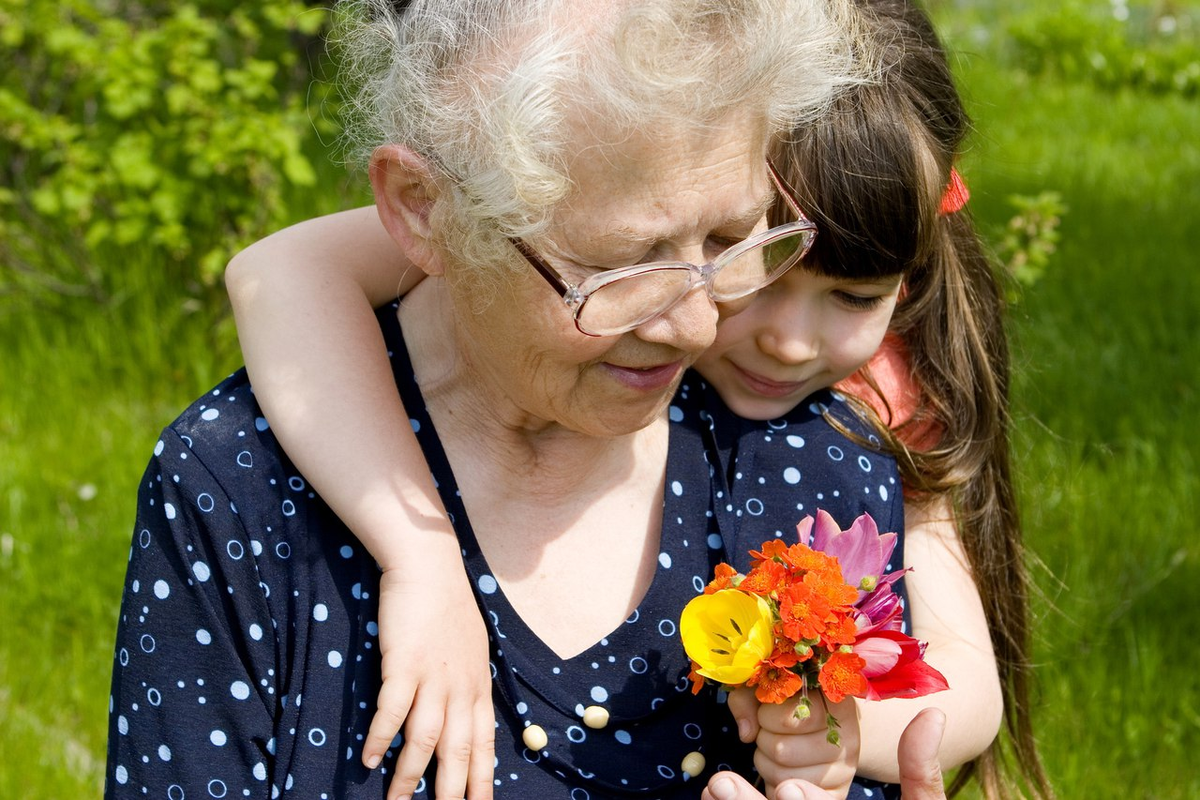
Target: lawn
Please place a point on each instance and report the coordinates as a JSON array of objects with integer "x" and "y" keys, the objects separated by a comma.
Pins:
[{"x": 1106, "y": 397}]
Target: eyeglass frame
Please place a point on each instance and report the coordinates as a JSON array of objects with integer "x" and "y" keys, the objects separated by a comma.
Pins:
[{"x": 576, "y": 295}]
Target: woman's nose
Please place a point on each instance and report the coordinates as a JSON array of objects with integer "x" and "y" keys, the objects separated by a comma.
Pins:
[{"x": 690, "y": 325}]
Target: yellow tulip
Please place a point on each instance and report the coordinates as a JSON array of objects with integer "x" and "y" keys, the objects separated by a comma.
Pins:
[{"x": 727, "y": 633}]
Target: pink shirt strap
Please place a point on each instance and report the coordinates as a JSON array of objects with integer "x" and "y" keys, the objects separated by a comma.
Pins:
[{"x": 890, "y": 367}]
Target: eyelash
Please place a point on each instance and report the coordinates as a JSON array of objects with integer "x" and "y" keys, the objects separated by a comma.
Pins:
[{"x": 858, "y": 302}]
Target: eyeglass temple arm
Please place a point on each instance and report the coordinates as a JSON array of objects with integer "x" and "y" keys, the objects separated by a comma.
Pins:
[
  {"x": 544, "y": 269},
  {"x": 786, "y": 192}
]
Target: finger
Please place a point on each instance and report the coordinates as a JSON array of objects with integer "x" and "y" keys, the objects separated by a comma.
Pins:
[
  {"x": 483, "y": 751},
  {"x": 391, "y": 708},
  {"x": 729, "y": 786},
  {"x": 796, "y": 751},
  {"x": 773, "y": 773},
  {"x": 781, "y": 718},
  {"x": 802, "y": 790},
  {"x": 807, "y": 756},
  {"x": 920, "y": 771},
  {"x": 422, "y": 731},
  {"x": 744, "y": 707},
  {"x": 454, "y": 753}
]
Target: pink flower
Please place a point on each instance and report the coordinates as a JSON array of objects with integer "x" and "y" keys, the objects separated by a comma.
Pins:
[
  {"x": 879, "y": 610},
  {"x": 861, "y": 550}
]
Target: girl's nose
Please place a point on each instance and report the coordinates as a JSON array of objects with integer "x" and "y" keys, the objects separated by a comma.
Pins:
[{"x": 789, "y": 335}]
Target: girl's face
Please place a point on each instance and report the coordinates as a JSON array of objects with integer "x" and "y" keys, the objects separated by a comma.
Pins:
[{"x": 803, "y": 333}]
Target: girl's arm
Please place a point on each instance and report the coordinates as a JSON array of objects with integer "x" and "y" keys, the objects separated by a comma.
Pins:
[
  {"x": 948, "y": 614},
  {"x": 303, "y": 300}
]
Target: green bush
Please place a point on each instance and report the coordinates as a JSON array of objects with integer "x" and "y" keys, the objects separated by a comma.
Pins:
[
  {"x": 163, "y": 128},
  {"x": 1115, "y": 44}
]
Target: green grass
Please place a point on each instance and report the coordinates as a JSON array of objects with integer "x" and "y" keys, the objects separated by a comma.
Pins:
[{"x": 1106, "y": 398}]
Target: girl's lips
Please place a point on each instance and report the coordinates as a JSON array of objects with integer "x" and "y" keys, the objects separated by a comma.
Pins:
[
  {"x": 765, "y": 386},
  {"x": 646, "y": 379}
]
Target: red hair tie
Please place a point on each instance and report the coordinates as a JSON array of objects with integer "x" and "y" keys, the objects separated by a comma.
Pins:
[{"x": 956, "y": 194}]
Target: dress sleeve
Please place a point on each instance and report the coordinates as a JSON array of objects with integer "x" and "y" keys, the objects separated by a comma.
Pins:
[{"x": 193, "y": 700}]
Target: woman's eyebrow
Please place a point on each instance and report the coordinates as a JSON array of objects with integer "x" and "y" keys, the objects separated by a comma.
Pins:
[{"x": 747, "y": 219}]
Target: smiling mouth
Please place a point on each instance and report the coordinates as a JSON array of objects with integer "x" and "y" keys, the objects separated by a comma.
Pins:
[
  {"x": 765, "y": 386},
  {"x": 648, "y": 379}
]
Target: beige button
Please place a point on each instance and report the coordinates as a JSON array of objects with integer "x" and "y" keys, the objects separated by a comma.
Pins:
[
  {"x": 535, "y": 738},
  {"x": 595, "y": 717},
  {"x": 693, "y": 764}
]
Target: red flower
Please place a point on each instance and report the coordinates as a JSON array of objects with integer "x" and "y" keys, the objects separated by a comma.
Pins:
[{"x": 893, "y": 666}]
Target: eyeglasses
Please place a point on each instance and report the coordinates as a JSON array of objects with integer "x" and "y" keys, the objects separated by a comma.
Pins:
[{"x": 618, "y": 300}]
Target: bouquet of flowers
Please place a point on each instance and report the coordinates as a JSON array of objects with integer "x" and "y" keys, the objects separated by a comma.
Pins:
[{"x": 820, "y": 614}]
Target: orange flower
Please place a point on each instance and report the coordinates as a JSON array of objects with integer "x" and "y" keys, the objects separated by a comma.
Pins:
[
  {"x": 771, "y": 549},
  {"x": 774, "y": 681},
  {"x": 832, "y": 588},
  {"x": 765, "y": 578},
  {"x": 803, "y": 612},
  {"x": 840, "y": 631},
  {"x": 723, "y": 577},
  {"x": 696, "y": 678},
  {"x": 842, "y": 675},
  {"x": 803, "y": 557}
]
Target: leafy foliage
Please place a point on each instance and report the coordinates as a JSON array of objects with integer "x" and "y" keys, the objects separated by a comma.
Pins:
[
  {"x": 1030, "y": 238},
  {"x": 1141, "y": 47},
  {"x": 1149, "y": 46},
  {"x": 169, "y": 129}
]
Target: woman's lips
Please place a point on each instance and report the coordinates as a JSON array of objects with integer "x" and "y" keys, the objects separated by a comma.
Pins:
[
  {"x": 646, "y": 379},
  {"x": 765, "y": 386}
]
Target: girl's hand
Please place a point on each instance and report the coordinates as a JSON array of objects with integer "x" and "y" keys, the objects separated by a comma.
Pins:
[
  {"x": 437, "y": 684},
  {"x": 794, "y": 748},
  {"x": 920, "y": 773}
]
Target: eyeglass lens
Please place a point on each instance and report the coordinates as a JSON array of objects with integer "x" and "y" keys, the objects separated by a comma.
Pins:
[{"x": 626, "y": 303}]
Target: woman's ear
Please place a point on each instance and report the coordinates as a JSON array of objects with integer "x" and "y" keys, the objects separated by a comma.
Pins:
[{"x": 405, "y": 190}]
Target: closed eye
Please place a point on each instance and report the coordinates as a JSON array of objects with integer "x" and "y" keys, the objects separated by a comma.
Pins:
[{"x": 858, "y": 301}]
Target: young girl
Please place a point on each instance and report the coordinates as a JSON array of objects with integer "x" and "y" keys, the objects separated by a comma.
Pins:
[{"x": 876, "y": 176}]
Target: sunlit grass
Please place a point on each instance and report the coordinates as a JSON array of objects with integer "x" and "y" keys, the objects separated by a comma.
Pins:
[{"x": 1107, "y": 399}]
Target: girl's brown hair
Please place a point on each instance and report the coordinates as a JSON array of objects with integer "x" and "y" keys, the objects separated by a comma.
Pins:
[{"x": 871, "y": 175}]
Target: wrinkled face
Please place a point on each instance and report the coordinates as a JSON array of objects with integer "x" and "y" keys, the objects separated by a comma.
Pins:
[
  {"x": 688, "y": 199},
  {"x": 803, "y": 333}
]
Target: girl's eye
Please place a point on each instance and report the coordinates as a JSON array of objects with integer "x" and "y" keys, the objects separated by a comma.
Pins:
[{"x": 859, "y": 302}]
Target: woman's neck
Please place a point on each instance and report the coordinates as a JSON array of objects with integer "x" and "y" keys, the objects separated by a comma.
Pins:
[{"x": 492, "y": 440}]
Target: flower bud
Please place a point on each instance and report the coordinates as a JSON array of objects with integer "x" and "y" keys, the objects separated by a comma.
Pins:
[{"x": 803, "y": 709}]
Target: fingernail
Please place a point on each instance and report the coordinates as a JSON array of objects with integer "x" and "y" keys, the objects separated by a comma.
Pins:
[
  {"x": 744, "y": 732},
  {"x": 373, "y": 761},
  {"x": 789, "y": 791},
  {"x": 723, "y": 789}
]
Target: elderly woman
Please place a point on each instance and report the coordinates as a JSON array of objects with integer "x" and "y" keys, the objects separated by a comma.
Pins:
[{"x": 525, "y": 154}]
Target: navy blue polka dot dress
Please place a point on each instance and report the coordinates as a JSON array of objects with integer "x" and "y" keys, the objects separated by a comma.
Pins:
[{"x": 246, "y": 661}]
